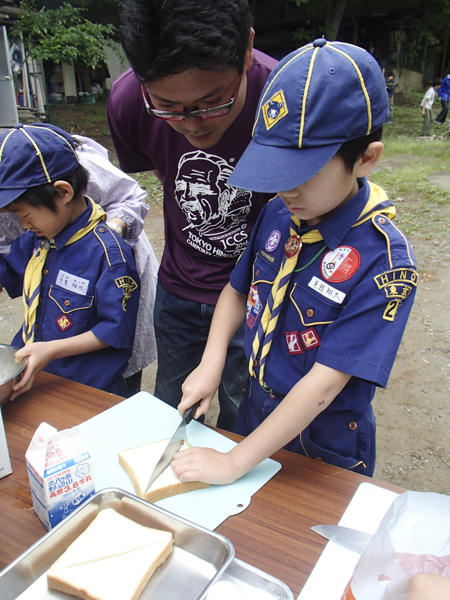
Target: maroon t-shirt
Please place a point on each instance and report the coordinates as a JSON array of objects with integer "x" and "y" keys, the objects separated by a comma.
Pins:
[{"x": 207, "y": 222}]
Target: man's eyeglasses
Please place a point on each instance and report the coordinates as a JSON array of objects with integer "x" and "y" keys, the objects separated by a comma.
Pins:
[{"x": 204, "y": 113}]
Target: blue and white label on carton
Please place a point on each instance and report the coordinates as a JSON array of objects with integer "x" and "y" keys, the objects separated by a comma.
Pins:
[{"x": 60, "y": 473}]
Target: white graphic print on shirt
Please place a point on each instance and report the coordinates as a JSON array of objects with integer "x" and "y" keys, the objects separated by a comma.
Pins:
[{"x": 215, "y": 211}]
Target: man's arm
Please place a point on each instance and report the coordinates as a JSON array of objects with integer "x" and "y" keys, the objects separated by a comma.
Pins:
[
  {"x": 40, "y": 354},
  {"x": 309, "y": 397},
  {"x": 203, "y": 382}
]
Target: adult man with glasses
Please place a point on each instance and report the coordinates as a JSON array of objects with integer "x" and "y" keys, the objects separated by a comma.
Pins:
[{"x": 185, "y": 112}]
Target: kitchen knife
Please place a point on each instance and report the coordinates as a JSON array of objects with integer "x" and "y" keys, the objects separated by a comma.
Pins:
[
  {"x": 174, "y": 445},
  {"x": 344, "y": 536}
]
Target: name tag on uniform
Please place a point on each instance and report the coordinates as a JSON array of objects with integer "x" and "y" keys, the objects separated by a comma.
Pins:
[
  {"x": 72, "y": 282},
  {"x": 326, "y": 290}
]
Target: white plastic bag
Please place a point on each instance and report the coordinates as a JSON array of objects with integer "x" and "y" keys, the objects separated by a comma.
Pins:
[{"x": 412, "y": 538}]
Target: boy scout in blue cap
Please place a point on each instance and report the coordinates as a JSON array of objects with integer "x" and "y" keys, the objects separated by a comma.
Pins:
[
  {"x": 77, "y": 277},
  {"x": 327, "y": 281}
]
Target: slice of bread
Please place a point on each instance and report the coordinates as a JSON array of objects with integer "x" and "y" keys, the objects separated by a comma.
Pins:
[
  {"x": 113, "y": 559},
  {"x": 139, "y": 463}
]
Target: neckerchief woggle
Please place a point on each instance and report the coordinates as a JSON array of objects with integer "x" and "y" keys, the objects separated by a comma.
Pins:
[
  {"x": 33, "y": 273},
  {"x": 376, "y": 204}
]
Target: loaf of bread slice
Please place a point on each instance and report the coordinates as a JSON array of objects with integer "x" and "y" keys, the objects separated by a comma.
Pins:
[
  {"x": 139, "y": 463},
  {"x": 113, "y": 559}
]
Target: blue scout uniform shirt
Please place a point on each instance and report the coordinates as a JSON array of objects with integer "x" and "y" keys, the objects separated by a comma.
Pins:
[
  {"x": 346, "y": 308},
  {"x": 90, "y": 285}
]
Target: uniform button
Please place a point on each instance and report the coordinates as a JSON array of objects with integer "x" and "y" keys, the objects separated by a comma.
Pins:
[
  {"x": 102, "y": 230},
  {"x": 66, "y": 302},
  {"x": 40, "y": 300},
  {"x": 319, "y": 459},
  {"x": 272, "y": 395},
  {"x": 257, "y": 273},
  {"x": 352, "y": 425},
  {"x": 310, "y": 312},
  {"x": 255, "y": 363},
  {"x": 36, "y": 326},
  {"x": 45, "y": 272},
  {"x": 382, "y": 221}
]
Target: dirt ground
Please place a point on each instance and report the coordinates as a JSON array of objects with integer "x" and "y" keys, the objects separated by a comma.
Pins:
[{"x": 413, "y": 412}]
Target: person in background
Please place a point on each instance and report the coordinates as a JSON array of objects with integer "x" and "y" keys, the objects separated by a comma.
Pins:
[
  {"x": 185, "y": 112},
  {"x": 391, "y": 84},
  {"x": 427, "y": 106},
  {"x": 327, "y": 281},
  {"x": 76, "y": 275},
  {"x": 444, "y": 94},
  {"x": 124, "y": 203}
]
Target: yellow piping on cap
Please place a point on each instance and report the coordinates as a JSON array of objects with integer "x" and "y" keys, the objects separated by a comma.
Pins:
[
  {"x": 305, "y": 96},
  {"x": 4, "y": 142},
  {"x": 38, "y": 152},
  {"x": 363, "y": 87}
]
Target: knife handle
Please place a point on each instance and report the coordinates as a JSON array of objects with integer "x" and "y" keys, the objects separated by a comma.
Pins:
[{"x": 190, "y": 412}]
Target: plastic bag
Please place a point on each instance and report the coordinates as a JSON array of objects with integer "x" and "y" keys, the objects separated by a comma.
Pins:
[{"x": 412, "y": 538}]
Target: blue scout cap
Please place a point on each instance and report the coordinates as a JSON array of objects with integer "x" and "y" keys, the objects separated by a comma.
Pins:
[
  {"x": 32, "y": 155},
  {"x": 315, "y": 99}
]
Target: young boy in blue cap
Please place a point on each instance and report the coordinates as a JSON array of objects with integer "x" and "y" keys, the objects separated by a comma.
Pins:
[
  {"x": 327, "y": 280},
  {"x": 77, "y": 276}
]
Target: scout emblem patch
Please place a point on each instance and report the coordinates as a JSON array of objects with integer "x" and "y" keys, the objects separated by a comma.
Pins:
[
  {"x": 253, "y": 306},
  {"x": 129, "y": 285},
  {"x": 274, "y": 109},
  {"x": 340, "y": 264},
  {"x": 64, "y": 322},
  {"x": 272, "y": 241},
  {"x": 293, "y": 342},
  {"x": 292, "y": 246},
  {"x": 310, "y": 338}
]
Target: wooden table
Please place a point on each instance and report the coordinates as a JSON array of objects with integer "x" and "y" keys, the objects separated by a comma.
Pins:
[{"x": 272, "y": 534}]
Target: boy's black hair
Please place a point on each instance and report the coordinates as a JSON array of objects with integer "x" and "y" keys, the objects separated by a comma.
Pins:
[
  {"x": 437, "y": 81},
  {"x": 350, "y": 151},
  {"x": 391, "y": 74},
  {"x": 166, "y": 37},
  {"x": 44, "y": 195}
]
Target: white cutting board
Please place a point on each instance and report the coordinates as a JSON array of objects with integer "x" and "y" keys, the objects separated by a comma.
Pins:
[
  {"x": 336, "y": 564},
  {"x": 143, "y": 419}
]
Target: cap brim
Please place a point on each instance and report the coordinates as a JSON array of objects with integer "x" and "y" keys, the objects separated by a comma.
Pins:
[
  {"x": 9, "y": 195},
  {"x": 273, "y": 169}
]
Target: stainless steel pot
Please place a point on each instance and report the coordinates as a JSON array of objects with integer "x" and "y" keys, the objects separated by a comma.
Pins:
[{"x": 10, "y": 372}]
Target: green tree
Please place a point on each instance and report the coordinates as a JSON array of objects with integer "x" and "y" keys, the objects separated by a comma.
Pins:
[{"x": 63, "y": 34}]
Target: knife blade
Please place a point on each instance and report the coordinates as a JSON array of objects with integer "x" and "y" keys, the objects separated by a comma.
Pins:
[
  {"x": 173, "y": 446},
  {"x": 344, "y": 536}
]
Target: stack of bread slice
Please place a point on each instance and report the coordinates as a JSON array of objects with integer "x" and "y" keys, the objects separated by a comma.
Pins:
[
  {"x": 113, "y": 559},
  {"x": 139, "y": 463}
]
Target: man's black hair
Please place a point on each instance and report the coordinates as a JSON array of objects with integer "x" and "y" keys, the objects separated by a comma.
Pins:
[
  {"x": 350, "y": 151},
  {"x": 44, "y": 195},
  {"x": 166, "y": 37}
]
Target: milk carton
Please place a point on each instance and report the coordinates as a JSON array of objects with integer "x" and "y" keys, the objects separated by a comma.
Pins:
[
  {"x": 60, "y": 473},
  {"x": 5, "y": 463}
]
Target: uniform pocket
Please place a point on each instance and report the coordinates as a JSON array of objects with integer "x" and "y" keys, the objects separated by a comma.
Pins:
[
  {"x": 69, "y": 302},
  {"x": 68, "y": 314},
  {"x": 345, "y": 439}
]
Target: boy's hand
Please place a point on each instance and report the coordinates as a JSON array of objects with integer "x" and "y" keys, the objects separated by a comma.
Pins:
[
  {"x": 201, "y": 384},
  {"x": 204, "y": 464},
  {"x": 38, "y": 356}
]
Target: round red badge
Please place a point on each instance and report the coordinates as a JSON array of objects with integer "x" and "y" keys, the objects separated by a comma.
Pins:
[
  {"x": 340, "y": 264},
  {"x": 293, "y": 246}
]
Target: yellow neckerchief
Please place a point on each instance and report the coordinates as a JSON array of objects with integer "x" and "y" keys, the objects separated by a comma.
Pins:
[
  {"x": 267, "y": 324},
  {"x": 33, "y": 274}
]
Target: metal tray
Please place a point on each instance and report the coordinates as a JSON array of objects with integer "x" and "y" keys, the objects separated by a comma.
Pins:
[
  {"x": 241, "y": 580},
  {"x": 198, "y": 560}
]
